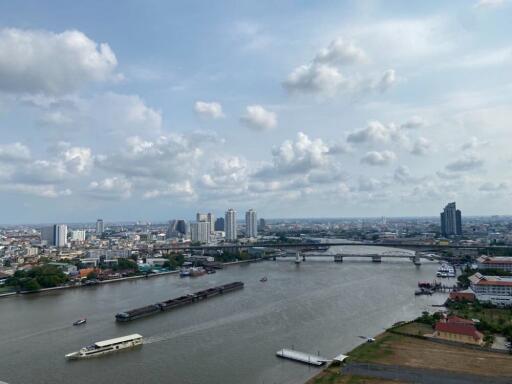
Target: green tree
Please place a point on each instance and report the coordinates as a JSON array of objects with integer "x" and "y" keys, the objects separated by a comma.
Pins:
[{"x": 31, "y": 285}]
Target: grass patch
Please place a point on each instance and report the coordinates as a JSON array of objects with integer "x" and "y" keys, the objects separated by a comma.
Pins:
[
  {"x": 6, "y": 289},
  {"x": 372, "y": 352},
  {"x": 414, "y": 329}
]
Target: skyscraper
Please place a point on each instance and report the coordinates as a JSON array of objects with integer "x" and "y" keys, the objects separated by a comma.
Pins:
[
  {"x": 219, "y": 224},
  {"x": 451, "y": 221},
  {"x": 61, "y": 235},
  {"x": 200, "y": 232},
  {"x": 48, "y": 235},
  {"x": 263, "y": 223},
  {"x": 230, "y": 225},
  {"x": 251, "y": 223},
  {"x": 210, "y": 217},
  {"x": 99, "y": 227}
]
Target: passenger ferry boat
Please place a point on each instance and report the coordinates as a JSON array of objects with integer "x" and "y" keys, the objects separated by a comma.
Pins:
[
  {"x": 107, "y": 346},
  {"x": 446, "y": 270}
]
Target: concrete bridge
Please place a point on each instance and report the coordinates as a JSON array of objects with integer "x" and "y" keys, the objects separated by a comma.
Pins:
[{"x": 375, "y": 257}]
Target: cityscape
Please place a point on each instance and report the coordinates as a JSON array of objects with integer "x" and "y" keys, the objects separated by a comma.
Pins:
[{"x": 254, "y": 192}]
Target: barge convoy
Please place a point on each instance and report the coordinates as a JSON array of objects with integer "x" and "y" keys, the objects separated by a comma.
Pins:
[{"x": 167, "y": 305}]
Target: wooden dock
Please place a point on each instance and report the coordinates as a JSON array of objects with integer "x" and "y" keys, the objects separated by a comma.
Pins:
[{"x": 302, "y": 357}]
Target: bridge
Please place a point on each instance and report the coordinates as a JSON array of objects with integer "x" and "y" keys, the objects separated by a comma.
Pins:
[{"x": 375, "y": 257}]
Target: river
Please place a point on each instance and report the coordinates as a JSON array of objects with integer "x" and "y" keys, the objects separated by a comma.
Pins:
[{"x": 317, "y": 306}]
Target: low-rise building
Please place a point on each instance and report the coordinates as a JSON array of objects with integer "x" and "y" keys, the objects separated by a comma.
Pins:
[
  {"x": 496, "y": 290},
  {"x": 458, "y": 329},
  {"x": 499, "y": 262}
]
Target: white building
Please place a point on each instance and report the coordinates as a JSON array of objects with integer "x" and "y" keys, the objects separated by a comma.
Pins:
[
  {"x": 230, "y": 225},
  {"x": 496, "y": 290},
  {"x": 78, "y": 235},
  {"x": 498, "y": 262},
  {"x": 61, "y": 235},
  {"x": 251, "y": 223},
  {"x": 200, "y": 232}
]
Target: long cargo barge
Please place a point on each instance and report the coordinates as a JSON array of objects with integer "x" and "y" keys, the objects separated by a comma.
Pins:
[{"x": 170, "y": 304}]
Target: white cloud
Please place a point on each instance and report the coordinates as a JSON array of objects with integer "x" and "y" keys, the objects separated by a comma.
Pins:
[
  {"x": 414, "y": 122},
  {"x": 36, "y": 61},
  {"x": 112, "y": 188},
  {"x": 421, "y": 147},
  {"x": 14, "y": 152},
  {"x": 48, "y": 191},
  {"x": 78, "y": 160},
  {"x": 211, "y": 109},
  {"x": 468, "y": 162},
  {"x": 387, "y": 80},
  {"x": 340, "y": 52},
  {"x": 403, "y": 175},
  {"x": 182, "y": 190},
  {"x": 377, "y": 132},
  {"x": 259, "y": 118},
  {"x": 378, "y": 158},
  {"x": 474, "y": 143},
  {"x": 314, "y": 78}
]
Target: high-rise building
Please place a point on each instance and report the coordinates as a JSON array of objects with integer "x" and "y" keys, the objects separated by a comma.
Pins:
[
  {"x": 78, "y": 235},
  {"x": 172, "y": 230},
  {"x": 251, "y": 223},
  {"x": 99, "y": 227},
  {"x": 230, "y": 225},
  {"x": 263, "y": 223},
  {"x": 219, "y": 224},
  {"x": 451, "y": 221},
  {"x": 61, "y": 235},
  {"x": 48, "y": 235},
  {"x": 200, "y": 232},
  {"x": 210, "y": 217},
  {"x": 201, "y": 216},
  {"x": 183, "y": 227}
]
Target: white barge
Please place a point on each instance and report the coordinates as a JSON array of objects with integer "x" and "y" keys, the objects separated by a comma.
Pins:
[
  {"x": 302, "y": 357},
  {"x": 107, "y": 346}
]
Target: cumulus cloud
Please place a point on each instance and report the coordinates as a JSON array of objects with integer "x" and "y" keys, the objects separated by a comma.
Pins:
[
  {"x": 47, "y": 191},
  {"x": 421, "y": 147},
  {"x": 258, "y": 118},
  {"x": 14, "y": 152},
  {"x": 403, "y": 175},
  {"x": 376, "y": 158},
  {"x": 36, "y": 61},
  {"x": 323, "y": 75},
  {"x": 468, "y": 162},
  {"x": 211, "y": 109},
  {"x": 376, "y": 132},
  {"x": 414, "y": 122},
  {"x": 182, "y": 190},
  {"x": 78, "y": 160},
  {"x": 369, "y": 184},
  {"x": 111, "y": 188}
]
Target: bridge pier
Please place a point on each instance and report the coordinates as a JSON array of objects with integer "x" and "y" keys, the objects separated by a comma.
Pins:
[
  {"x": 416, "y": 259},
  {"x": 338, "y": 258},
  {"x": 303, "y": 257},
  {"x": 376, "y": 259}
]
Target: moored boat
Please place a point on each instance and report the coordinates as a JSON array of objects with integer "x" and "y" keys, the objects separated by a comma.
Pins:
[{"x": 107, "y": 346}]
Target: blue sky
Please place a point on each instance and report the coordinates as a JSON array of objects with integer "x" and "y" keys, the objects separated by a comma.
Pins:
[{"x": 154, "y": 110}]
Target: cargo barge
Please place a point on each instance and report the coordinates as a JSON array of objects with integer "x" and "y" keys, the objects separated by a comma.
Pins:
[{"x": 167, "y": 305}]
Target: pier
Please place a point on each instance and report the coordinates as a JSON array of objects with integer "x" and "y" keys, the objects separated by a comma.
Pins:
[{"x": 302, "y": 357}]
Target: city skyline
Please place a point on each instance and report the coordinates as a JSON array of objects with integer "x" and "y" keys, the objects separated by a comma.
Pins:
[{"x": 366, "y": 109}]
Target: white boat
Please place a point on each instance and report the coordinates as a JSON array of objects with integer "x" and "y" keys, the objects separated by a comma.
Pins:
[{"x": 107, "y": 346}]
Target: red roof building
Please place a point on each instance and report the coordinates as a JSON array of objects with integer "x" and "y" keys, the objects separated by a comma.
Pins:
[{"x": 458, "y": 329}]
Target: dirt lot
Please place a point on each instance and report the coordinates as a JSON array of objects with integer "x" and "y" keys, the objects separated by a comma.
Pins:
[{"x": 413, "y": 352}]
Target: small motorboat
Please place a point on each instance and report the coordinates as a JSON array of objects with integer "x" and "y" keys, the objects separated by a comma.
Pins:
[
  {"x": 263, "y": 279},
  {"x": 80, "y": 322}
]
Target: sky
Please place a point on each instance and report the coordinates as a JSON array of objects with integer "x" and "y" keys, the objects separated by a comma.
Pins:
[{"x": 154, "y": 110}]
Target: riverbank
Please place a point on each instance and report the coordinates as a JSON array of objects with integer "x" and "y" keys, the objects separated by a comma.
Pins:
[
  {"x": 100, "y": 282},
  {"x": 402, "y": 354}
]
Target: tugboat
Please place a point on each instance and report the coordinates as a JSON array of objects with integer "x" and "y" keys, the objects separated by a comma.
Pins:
[
  {"x": 80, "y": 322},
  {"x": 263, "y": 279}
]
